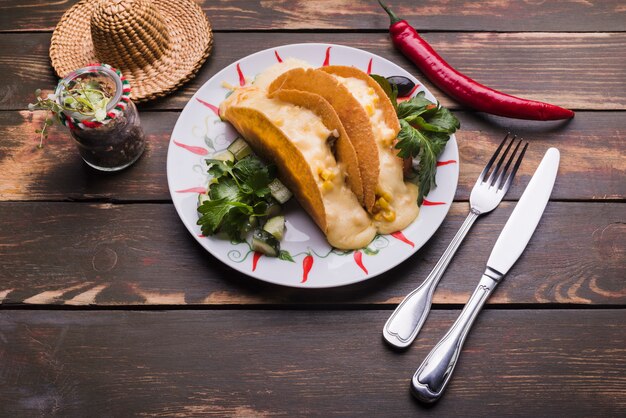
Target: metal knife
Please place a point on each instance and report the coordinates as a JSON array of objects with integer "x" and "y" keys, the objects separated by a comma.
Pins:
[{"x": 431, "y": 378}]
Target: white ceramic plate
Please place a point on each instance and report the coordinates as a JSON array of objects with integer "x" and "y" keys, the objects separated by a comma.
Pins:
[{"x": 199, "y": 132}]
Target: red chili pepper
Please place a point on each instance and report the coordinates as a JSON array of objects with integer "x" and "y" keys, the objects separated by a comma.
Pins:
[
  {"x": 459, "y": 86},
  {"x": 255, "y": 259},
  {"x": 242, "y": 79},
  {"x": 214, "y": 108},
  {"x": 400, "y": 236},
  {"x": 307, "y": 263},
  {"x": 190, "y": 148},
  {"x": 440, "y": 163},
  {"x": 358, "y": 258},
  {"x": 327, "y": 58},
  {"x": 199, "y": 190},
  {"x": 427, "y": 202}
]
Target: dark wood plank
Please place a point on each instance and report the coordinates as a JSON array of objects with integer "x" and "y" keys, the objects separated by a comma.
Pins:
[
  {"x": 593, "y": 163},
  {"x": 103, "y": 254},
  {"x": 540, "y": 66},
  {"x": 312, "y": 363},
  {"x": 56, "y": 171},
  {"x": 503, "y": 15}
]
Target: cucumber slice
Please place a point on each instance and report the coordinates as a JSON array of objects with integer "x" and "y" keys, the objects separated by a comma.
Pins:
[
  {"x": 275, "y": 226},
  {"x": 240, "y": 149},
  {"x": 273, "y": 209},
  {"x": 250, "y": 224},
  {"x": 203, "y": 197},
  {"x": 264, "y": 242},
  {"x": 253, "y": 221},
  {"x": 224, "y": 155},
  {"x": 279, "y": 191}
]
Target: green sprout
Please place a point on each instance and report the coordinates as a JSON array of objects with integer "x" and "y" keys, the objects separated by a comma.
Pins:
[{"x": 82, "y": 98}]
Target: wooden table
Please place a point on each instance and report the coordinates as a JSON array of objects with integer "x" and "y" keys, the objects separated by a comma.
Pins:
[{"x": 110, "y": 308}]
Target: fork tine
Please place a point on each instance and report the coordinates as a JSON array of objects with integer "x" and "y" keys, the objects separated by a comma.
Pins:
[
  {"x": 508, "y": 164},
  {"x": 494, "y": 173},
  {"x": 509, "y": 179},
  {"x": 493, "y": 158}
]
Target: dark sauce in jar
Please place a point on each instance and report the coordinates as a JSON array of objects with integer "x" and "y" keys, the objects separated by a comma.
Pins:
[{"x": 112, "y": 146}]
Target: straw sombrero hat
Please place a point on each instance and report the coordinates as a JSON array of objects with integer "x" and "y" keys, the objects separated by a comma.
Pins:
[{"x": 157, "y": 44}]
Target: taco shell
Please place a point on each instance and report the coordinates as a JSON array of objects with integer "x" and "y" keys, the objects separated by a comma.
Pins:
[
  {"x": 352, "y": 116},
  {"x": 292, "y": 128},
  {"x": 389, "y": 113},
  {"x": 344, "y": 150}
]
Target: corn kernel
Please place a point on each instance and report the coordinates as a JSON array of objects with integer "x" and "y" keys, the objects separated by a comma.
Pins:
[
  {"x": 378, "y": 216},
  {"x": 327, "y": 174},
  {"x": 382, "y": 202},
  {"x": 389, "y": 215},
  {"x": 386, "y": 196},
  {"x": 278, "y": 122},
  {"x": 369, "y": 109},
  {"x": 370, "y": 91},
  {"x": 327, "y": 186}
]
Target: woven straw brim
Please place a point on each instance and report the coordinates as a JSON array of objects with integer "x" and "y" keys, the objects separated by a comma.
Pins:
[{"x": 190, "y": 42}]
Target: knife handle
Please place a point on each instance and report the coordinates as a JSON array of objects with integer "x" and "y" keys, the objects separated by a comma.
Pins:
[
  {"x": 406, "y": 321},
  {"x": 432, "y": 377}
]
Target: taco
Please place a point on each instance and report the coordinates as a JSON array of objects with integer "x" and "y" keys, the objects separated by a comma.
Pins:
[
  {"x": 302, "y": 134},
  {"x": 353, "y": 119},
  {"x": 370, "y": 121}
]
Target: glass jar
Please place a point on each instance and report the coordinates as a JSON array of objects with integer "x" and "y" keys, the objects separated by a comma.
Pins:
[{"x": 115, "y": 142}]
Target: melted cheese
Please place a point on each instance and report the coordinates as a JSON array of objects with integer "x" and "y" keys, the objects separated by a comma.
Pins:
[
  {"x": 264, "y": 79},
  {"x": 391, "y": 179}
]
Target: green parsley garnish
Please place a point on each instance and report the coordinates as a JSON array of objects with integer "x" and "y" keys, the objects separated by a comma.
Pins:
[
  {"x": 238, "y": 194},
  {"x": 425, "y": 128},
  {"x": 87, "y": 98}
]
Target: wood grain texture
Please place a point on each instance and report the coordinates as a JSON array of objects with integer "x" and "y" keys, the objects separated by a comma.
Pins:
[
  {"x": 551, "y": 67},
  {"x": 247, "y": 15},
  {"x": 57, "y": 171},
  {"x": 314, "y": 363},
  {"x": 108, "y": 306},
  {"x": 592, "y": 165},
  {"x": 103, "y": 254}
]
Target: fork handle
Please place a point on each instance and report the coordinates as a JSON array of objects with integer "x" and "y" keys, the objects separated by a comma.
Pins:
[
  {"x": 432, "y": 377},
  {"x": 407, "y": 320}
]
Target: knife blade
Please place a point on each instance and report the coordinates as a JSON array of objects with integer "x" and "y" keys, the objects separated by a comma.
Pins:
[
  {"x": 433, "y": 375},
  {"x": 526, "y": 215}
]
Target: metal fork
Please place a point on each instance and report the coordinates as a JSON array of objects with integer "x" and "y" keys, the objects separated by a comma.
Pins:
[{"x": 406, "y": 321}]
